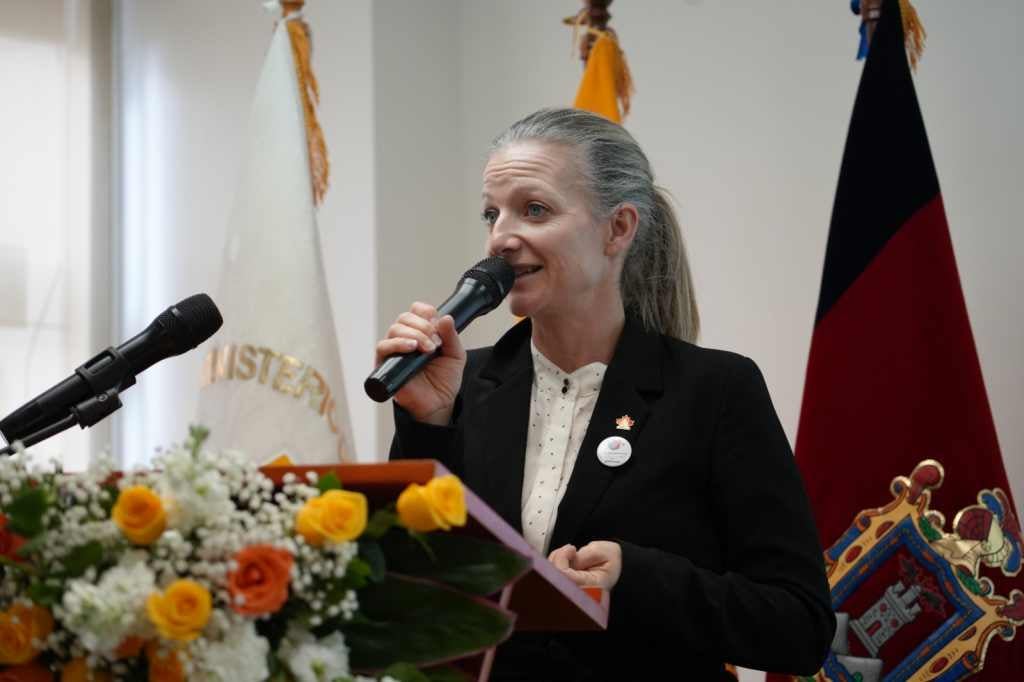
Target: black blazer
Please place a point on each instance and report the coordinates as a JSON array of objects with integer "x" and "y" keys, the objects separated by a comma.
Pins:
[{"x": 720, "y": 558}]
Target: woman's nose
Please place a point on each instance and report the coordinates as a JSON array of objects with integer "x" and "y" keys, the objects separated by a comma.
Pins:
[{"x": 502, "y": 242}]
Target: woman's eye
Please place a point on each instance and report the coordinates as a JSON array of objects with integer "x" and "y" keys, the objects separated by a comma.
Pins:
[
  {"x": 536, "y": 210},
  {"x": 489, "y": 216}
]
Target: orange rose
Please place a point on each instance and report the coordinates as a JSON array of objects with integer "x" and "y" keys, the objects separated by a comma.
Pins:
[
  {"x": 10, "y": 542},
  {"x": 30, "y": 672},
  {"x": 20, "y": 626},
  {"x": 139, "y": 514},
  {"x": 262, "y": 579},
  {"x": 441, "y": 503},
  {"x": 335, "y": 516},
  {"x": 182, "y": 611},
  {"x": 164, "y": 664},
  {"x": 77, "y": 670}
]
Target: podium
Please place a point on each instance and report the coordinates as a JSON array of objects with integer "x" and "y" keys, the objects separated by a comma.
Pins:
[{"x": 543, "y": 599}]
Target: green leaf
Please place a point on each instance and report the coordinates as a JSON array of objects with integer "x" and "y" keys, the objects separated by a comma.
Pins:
[
  {"x": 18, "y": 566},
  {"x": 421, "y": 622},
  {"x": 32, "y": 546},
  {"x": 328, "y": 481},
  {"x": 370, "y": 551},
  {"x": 403, "y": 672},
  {"x": 380, "y": 523},
  {"x": 45, "y": 594},
  {"x": 357, "y": 574},
  {"x": 446, "y": 674},
  {"x": 480, "y": 567},
  {"x": 25, "y": 512},
  {"x": 82, "y": 557},
  {"x": 197, "y": 435},
  {"x": 107, "y": 502}
]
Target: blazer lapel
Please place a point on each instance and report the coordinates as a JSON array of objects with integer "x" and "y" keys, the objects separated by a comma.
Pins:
[
  {"x": 632, "y": 381},
  {"x": 504, "y": 409}
]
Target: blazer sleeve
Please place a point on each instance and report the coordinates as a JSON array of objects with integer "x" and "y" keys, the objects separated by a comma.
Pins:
[
  {"x": 770, "y": 609},
  {"x": 416, "y": 440}
]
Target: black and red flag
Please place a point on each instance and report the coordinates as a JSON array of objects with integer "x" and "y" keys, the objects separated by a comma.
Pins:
[{"x": 893, "y": 376}]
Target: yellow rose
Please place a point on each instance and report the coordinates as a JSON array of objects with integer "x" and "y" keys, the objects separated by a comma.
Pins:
[
  {"x": 335, "y": 516},
  {"x": 448, "y": 499},
  {"x": 21, "y": 627},
  {"x": 416, "y": 512},
  {"x": 441, "y": 503},
  {"x": 77, "y": 670},
  {"x": 181, "y": 612},
  {"x": 140, "y": 514}
]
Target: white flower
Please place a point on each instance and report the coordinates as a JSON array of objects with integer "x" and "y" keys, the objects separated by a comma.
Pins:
[
  {"x": 193, "y": 490},
  {"x": 313, "y": 660},
  {"x": 240, "y": 656},
  {"x": 104, "y": 614}
]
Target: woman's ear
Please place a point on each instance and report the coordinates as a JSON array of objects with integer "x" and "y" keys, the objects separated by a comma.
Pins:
[{"x": 622, "y": 229}]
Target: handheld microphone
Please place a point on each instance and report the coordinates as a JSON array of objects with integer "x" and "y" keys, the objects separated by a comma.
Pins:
[
  {"x": 90, "y": 394},
  {"x": 480, "y": 290}
]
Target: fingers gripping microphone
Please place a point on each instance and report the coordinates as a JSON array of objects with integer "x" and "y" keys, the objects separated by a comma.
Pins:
[
  {"x": 480, "y": 290},
  {"x": 90, "y": 394}
]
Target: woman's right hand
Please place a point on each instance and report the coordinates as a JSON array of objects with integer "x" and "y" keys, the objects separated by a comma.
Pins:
[{"x": 430, "y": 395}]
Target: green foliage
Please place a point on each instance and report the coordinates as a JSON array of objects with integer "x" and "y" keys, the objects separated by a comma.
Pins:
[
  {"x": 380, "y": 523},
  {"x": 45, "y": 594},
  {"x": 420, "y": 622},
  {"x": 403, "y": 672},
  {"x": 81, "y": 558},
  {"x": 372, "y": 553},
  {"x": 197, "y": 435},
  {"x": 26, "y": 510},
  {"x": 32, "y": 546},
  {"x": 480, "y": 567},
  {"x": 328, "y": 481}
]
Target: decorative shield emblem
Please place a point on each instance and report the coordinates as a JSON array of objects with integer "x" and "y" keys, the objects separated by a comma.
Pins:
[{"x": 909, "y": 600}]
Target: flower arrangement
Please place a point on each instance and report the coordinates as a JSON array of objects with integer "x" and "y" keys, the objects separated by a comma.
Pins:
[{"x": 204, "y": 569}]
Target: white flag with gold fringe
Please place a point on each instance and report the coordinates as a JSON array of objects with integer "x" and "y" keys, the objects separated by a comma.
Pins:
[{"x": 272, "y": 379}]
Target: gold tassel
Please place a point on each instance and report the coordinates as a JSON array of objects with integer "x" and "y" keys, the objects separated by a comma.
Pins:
[
  {"x": 319, "y": 164},
  {"x": 623, "y": 78},
  {"x": 913, "y": 32}
]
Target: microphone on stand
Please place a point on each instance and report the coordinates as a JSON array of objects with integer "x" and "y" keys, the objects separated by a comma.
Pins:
[
  {"x": 479, "y": 291},
  {"x": 91, "y": 393}
]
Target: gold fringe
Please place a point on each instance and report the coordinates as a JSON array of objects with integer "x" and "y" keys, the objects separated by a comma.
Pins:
[
  {"x": 913, "y": 33},
  {"x": 623, "y": 78},
  {"x": 319, "y": 164}
]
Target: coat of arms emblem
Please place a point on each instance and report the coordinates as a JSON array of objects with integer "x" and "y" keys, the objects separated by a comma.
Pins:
[{"x": 909, "y": 598}]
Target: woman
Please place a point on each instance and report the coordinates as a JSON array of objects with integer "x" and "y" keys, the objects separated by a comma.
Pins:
[{"x": 643, "y": 463}]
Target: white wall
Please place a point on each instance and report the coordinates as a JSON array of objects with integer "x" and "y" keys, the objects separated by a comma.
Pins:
[{"x": 417, "y": 144}]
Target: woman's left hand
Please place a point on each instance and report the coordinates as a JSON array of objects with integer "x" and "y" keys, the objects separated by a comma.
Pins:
[{"x": 595, "y": 564}]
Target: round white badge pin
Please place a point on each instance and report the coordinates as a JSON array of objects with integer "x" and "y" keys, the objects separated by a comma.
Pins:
[{"x": 614, "y": 451}]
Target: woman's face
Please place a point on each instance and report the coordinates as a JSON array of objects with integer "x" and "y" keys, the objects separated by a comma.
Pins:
[{"x": 536, "y": 209}]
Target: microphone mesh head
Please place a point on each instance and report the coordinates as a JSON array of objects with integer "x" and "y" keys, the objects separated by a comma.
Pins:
[
  {"x": 192, "y": 320},
  {"x": 496, "y": 274}
]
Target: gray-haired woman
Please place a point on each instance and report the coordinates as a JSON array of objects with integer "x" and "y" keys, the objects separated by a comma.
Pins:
[{"x": 640, "y": 462}]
